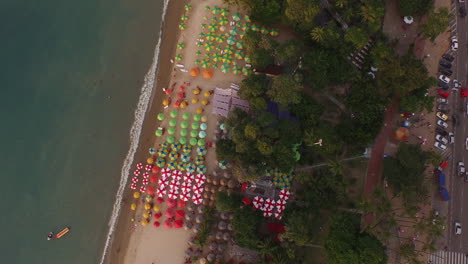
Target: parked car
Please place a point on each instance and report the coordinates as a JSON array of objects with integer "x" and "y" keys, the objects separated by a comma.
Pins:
[
  {"x": 440, "y": 145},
  {"x": 462, "y": 11},
  {"x": 442, "y": 107},
  {"x": 464, "y": 92},
  {"x": 442, "y": 124},
  {"x": 441, "y": 139},
  {"x": 461, "y": 168},
  {"x": 448, "y": 57},
  {"x": 442, "y": 85},
  {"x": 445, "y": 71},
  {"x": 456, "y": 84},
  {"x": 458, "y": 228},
  {"x": 466, "y": 143},
  {"x": 442, "y": 100},
  {"x": 451, "y": 138},
  {"x": 445, "y": 64},
  {"x": 454, "y": 44},
  {"x": 465, "y": 179},
  {"x": 444, "y": 78},
  {"x": 441, "y": 115},
  {"x": 461, "y": 1}
]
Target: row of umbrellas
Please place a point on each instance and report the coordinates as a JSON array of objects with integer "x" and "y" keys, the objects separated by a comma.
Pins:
[
  {"x": 268, "y": 206},
  {"x": 177, "y": 189}
]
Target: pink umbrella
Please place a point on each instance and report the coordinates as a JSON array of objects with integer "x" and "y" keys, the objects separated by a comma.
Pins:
[
  {"x": 197, "y": 199},
  {"x": 200, "y": 178},
  {"x": 188, "y": 177},
  {"x": 182, "y": 88},
  {"x": 284, "y": 194},
  {"x": 142, "y": 189},
  {"x": 148, "y": 167},
  {"x": 169, "y": 213},
  {"x": 168, "y": 224},
  {"x": 133, "y": 186},
  {"x": 171, "y": 203},
  {"x": 156, "y": 224},
  {"x": 146, "y": 175},
  {"x": 150, "y": 190},
  {"x": 155, "y": 169},
  {"x": 161, "y": 192},
  {"x": 178, "y": 224},
  {"x": 136, "y": 172},
  {"x": 198, "y": 189},
  {"x": 139, "y": 166},
  {"x": 145, "y": 181},
  {"x": 180, "y": 203},
  {"x": 153, "y": 178},
  {"x": 135, "y": 179},
  {"x": 185, "y": 196},
  {"x": 160, "y": 200},
  {"x": 180, "y": 214}
]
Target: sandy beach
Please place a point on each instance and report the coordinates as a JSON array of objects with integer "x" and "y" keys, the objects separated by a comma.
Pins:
[{"x": 133, "y": 243}]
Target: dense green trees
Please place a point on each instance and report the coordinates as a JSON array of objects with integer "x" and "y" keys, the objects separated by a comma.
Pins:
[
  {"x": 414, "y": 7},
  {"x": 437, "y": 22},
  {"x": 227, "y": 202},
  {"x": 301, "y": 13},
  {"x": 245, "y": 224},
  {"x": 285, "y": 90},
  {"x": 301, "y": 227},
  {"x": 347, "y": 245}
]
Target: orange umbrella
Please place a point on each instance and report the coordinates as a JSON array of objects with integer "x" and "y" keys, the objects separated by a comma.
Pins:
[
  {"x": 401, "y": 133},
  {"x": 194, "y": 72},
  {"x": 194, "y": 100},
  {"x": 208, "y": 74}
]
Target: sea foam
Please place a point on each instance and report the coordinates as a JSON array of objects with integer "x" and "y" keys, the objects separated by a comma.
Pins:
[{"x": 135, "y": 132}]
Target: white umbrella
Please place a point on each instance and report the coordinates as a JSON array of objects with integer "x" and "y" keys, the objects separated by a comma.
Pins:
[{"x": 408, "y": 20}]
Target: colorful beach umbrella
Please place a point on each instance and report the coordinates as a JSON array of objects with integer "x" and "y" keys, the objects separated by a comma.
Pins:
[
  {"x": 152, "y": 151},
  {"x": 254, "y": 27},
  {"x": 186, "y": 148},
  {"x": 236, "y": 17},
  {"x": 162, "y": 153},
  {"x": 224, "y": 12},
  {"x": 222, "y": 164},
  {"x": 247, "y": 18},
  {"x": 228, "y": 50},
  {"x": 224, "y": 68},
  {"x": 245, "y": 27},
  {"x": 180, "y": 45},
  {"x": 241, "y": 35},
  {"x": 198, "y": 53},
  {"x": 215, "y": 10},
  {"x": 240, "y": 45},
  {"x": 203, "y": 26},
  {"x": 185, "y": 157},
  {"x": 239, "y": 55},
  {"x": 160, "y": 116},
  {"x": 188, "y": 7},
  {"x": 298, "y": 77},
  {"x": 190, "y": 168},
  {"x": 234, "y": 31},
  {"x": 246, "y": 71},
  {"x": 216, "y": 57},
  {"x": 210, "y": 37},
  {"x": 197, "y": 61},
  {"x": 274, "y": 32},
  {"x": 178, "y": 57},
  {"x": 199, "y": 160},
  {"x": 247, "y": 59},
  {"x": 236, "y": 70},
  {"x": 207, "y": 8},
  {"x": 209, "y": 46},
  {"x": 264, "y": 30},
  {"x": 184, "y": 17},
  {"x": 223, "y": 21},
  {"x": 182, "y": 26},
  {"x": 184, "y": 124},
  {"x": 205, "y": 63},
  {"x": 201, "y": 150},
  {"x": 212, "y": 27},
  {"x": 231, "y": 40},
  {"x": 199, "y": 44}
]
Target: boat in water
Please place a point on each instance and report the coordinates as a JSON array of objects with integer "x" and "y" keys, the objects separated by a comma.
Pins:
[
  {"x": 50, "y": 235},
  {"x": 62, "y": 233}
]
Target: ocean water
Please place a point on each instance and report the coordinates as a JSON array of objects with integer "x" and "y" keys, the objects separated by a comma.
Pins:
[{"x": 71, "y": 74}]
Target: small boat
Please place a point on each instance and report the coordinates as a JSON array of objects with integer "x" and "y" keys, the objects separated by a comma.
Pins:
[
  {"x": 50, "y": 235},
  {"x": 62, "y": 233}
]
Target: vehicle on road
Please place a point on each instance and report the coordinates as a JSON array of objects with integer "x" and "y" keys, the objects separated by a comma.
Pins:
[
  {"x": 458, "y": 228},
  {"x": 441, "y": 131},
  {"x": 454, "y": 44},
  {"x": 448, "y": 57},
  {"x": 445, "y": 63},
  {"x": 441, "y": 115},
  {"x": 440, "y": 145},
  {"x": 462, "y": 11},
  {"x": 445, "y": 71},
  {"x": 445, "y": 194},
  {"x": 444, "y": 78},
  {"x": 466, "y": 143},
  {"x": 451, "y": 138},
  {"x": 464, "y": 92},
  {"x": 461, "y": 168},
  {"x": 442, "y": 85},
  {"x": 465, "y": 179},
  {"x": 442, "y": 107},
  {"x": 442, "y": 100},
  {"x": 441, "y": 139},
  {"x": 442, "y": 124},
  {"x": 456, "y": 84},
  {"x": 461, "y": 1}
]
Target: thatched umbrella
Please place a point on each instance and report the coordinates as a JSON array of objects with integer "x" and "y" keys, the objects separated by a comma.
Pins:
[
  {"x": 222, "y": 225},
  {"x": 203, "y": 261},
  {"x": 215, "y": 173},
  {"x": 196, "y": 228},
  {"x": 213, "y": 197},
  {"x": 221, "y": 247},
  {"x": 219, "y": 257},
  {"x": 207, "y": 187},
  {"x": 223, "y": 182},
  {"x": 226, "y": 236},
  {"x": 222, "y": 189},
  {"x": 188, "y": 253},
  {"x": 210, "y": 257},
  {"x": 226, "y": 175},
  {"x": 229, "y": 227},
  {"x": 189, "y": 216},
  {"x": 212, "y": 203},
  {"x": 199, "y": 218},
  {"x": 200, "y": 209},
  {"x": 213, "y": 246},
  {"x": 208, "y": 179},
  {"x": 206, "y": 202},
  {"x": 232, "y": 184},
  {"x": 223, "y": 215},
  {"x": 188, "y": 225},
  {"x": 191, "y": 241},
  {"x": 190, "y": 207},
  {"x": 206, "y": 195},
  {"x": 231, "y": 216},
  {"x": 215, "y": 182},
  {"x": 213, "y": 189},
  {"x": 219, "y": 235}
]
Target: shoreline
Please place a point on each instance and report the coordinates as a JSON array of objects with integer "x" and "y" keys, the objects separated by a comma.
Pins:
[{"x": 121, "y": 237}]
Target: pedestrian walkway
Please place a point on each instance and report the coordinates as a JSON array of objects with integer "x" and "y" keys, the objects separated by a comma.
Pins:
[{"x": 447, "y": 257}]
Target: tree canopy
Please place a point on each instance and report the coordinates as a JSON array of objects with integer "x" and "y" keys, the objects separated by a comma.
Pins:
[
  {"x": 414, "y": 7},
  {"x": 285, "y": 90},
  {"x": 437, "y": 22}
]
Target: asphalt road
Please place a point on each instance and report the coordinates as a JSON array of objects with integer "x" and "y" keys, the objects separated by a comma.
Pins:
[{"x": 458, "y": 188}]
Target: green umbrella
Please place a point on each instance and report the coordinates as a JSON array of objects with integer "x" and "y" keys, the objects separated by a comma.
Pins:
[
  {"x": 196, "y": 117},
  {"x": 172, "y": 123},
  {"x": 199, "y": 44},
  {"x": 207, "y": 8},
  {"x": 236, "y": 70},
  {"x": 223, "y": 21},
  {"x": 203, "y": 26},
  {"x": 203, "y": 126},
  {"x": 210, "y": 37},
  {"x": 241, "y": 35},
  {"x": 215, "y": 10},
  {"x": 264, "y": 31},
  {"x": 207, "y": 55},
  {"x": 160, "y": 116},
  {"x": 214, "y": 19},
  {"x": 216, "y": 57},
  {"x": 224, "y": 68},
  {"x": 195, "y": 125},
  {"x": 160, "y": 162},
  {"x": 221, "y": 39},
  {"x": 182, "y": 26},
  {"x": 183, "y": 140},
  {"x": 201, "y": 150},
  {"x": 185, "y": 116},
  {"x": 247, "y": 18},
  {"x": 201, "y": 169},
  {"x": 224, "y": 12},
  {"x": 158, "y": 132},
  {"x": 202, "y": 134},
  {"x": 197, "y": 62},
  {"x": 209, "y": 46},
  {"x": 234, "y": 31},
  {"x": 171, "y": 131},
  {"x": 254, "y": 27},
  {"x": 212, "y": 27},
  {"x": 188, "y": 7},
  {"x": 183, "y": 132},
  {"x": 205, "y": 63},
  {"x": 222, "y": 126},
  {"x": 185, "y": 157},
  {"x": 247, "y": 59},
  {"x": 198, "y": 53},
  {"x": 214, "y": 66},
  {"x": 231, "y": 40},
  {"x": 236, "y": 17},
  {"x": 187, "y": 148},
  {"x": 193, "y": 141},
  {"x": 246, "y": 71},
  {"x": 178, "y": 57},
  {"x": 184, "y": 17},
  {"x": 193, "y": 133},
  {"x": 184, "y": 124},
  {"x": 170, "y": 139},
  {"x": 180, "y": 45},
  {"x": 190, "y": 168},
  {"x": 228, "y": 50},
  {"x": 245, "y": 27},
  {"x": 226, "y": 58},
  {"x": 240, "y": 45},
  {"x": 239, "y": 55},
  {"x": 174, "y": 113},
  {"x": 201, "y": 142},
  {"x": 274, "y": 32}
]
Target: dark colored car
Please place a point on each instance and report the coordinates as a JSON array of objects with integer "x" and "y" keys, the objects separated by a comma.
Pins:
[
  {"x": 448, "y": 57},
  {"x": 462, "y": 10},
  {"x": 442, "y": 85},
  {"x": 446, "y": 71},
  {"x": 442, "y": 107},
  {"x": 445, "y": 64},
  {"x": 441, "y": 131}
]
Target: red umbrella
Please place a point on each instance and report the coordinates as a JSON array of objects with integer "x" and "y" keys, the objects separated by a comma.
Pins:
[
  {"x": 157, "y": 215},
  {"x": 142, "y": 189},
  {"x": 181, "y": 95},
  {"x": 200, "y": 178},
  {"x": 171, "y": 202},
  {"x": 246, "y": 201},
  {"x": 135, "y": 179},
  {"x": 444, "y": 164},
  {"x": 150, "y": 190},
  {"x": 145, "y": 181},
  {"x": 278, "y": 215},
  {"x": 139, "y": 166},
  {"x": 156, "y": 224},
  {"x": 172, "y": 194},
  {"x": 133, "y": 186},
  {"x": 169, "y": 213},
  {"x": 284, "y": 194},
  {"x": 280, "y": 203},
  {"x": 198, "y": 189},
  {"x": 161, "y": 191},
  {"x": 148, "y": 167},
  {"x": 188, "y": 177},
  {"x": 145, "y": 175},
  {"x": 180, "y": 203},
  {"x": 185, "y": 196},
  {"x": 178, "y": 223},
  {"x": 168, "y": 224},
  {"x": 244, "y": 187},
  {"x": 155, "y": 169},
  {"x": 197, "y": 199},
  {"x": 168, "y": 91},
  {"x": 136, "y": 172},
  {"x": 269, "y": 203},
  {"x": 177, "y": 174},
  {"x": 177, "y": 103},
  {"x": 182, "y": 88},
  {"x": 165, "y": 170},
  {"x": 160, "y": 200},
  {"x": 267, "y": 213},
  {"x": 180, "y": 214},
  {"x": 153, "y": 178}
]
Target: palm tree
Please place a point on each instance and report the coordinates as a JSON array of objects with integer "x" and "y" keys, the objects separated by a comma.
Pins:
[
  {"x": 368, "y": 14},
  {"x": 318, "y": 34},
  {"x": 266, "y": 248},
  {"x": 335, "y": 167},
  {"x": 341, "y": 3}
]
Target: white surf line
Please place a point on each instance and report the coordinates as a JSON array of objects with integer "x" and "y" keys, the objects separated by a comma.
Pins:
[{"x": 135, "y": 132}]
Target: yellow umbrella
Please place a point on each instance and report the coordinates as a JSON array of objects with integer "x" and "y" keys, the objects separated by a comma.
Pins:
[
  {"x": 194, "y": 100},
  {"x": 147, "y": 206},
  {"x": 144, "y": 222},
  {"x": 199, "y": 110},
  {"x": 183, "y": 105},
  {"x": 133, "y": 206},
  {"x": 150, "y": 161},
  {"x": 145, "y": 214},
  {"x": 204, "y": 119},
  {"x": 136, "y": 195},
  {"x": 207, "y": 94},
  {"x": 196, "y": 91},
  {"x": 165, "y": 102},
  {"x": 156, "y": 208},
  {"x": 204, "y": 102}
]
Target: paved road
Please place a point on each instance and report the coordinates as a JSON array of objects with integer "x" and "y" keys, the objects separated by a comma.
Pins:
[
  {"x": 447, "y": 257},
  {"x": 458, "y": 188}
]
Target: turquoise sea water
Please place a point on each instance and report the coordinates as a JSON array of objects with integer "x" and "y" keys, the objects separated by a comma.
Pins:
[{"x": 70, "y": 78}]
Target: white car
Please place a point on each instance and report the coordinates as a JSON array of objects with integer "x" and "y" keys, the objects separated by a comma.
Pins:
[
  {"x": 441, "y": 139},
  {"x": 456, "y": 84},
  {"x": 466, "y": 143},
  {"x": 444, "y": 78},
  {"x": 461, "y": 168},
  {"x": 442, "y": 100},
  {"x": 461, "y": 1},
  {"x": 454, "y": 43},
  {"x": 440, "y": 145},
  {"x": 458, "y": 228},
  {"x": 442, "y": 116},
  {"x": 442, "y": 123},
  {"x": 451, "y": 138}
]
